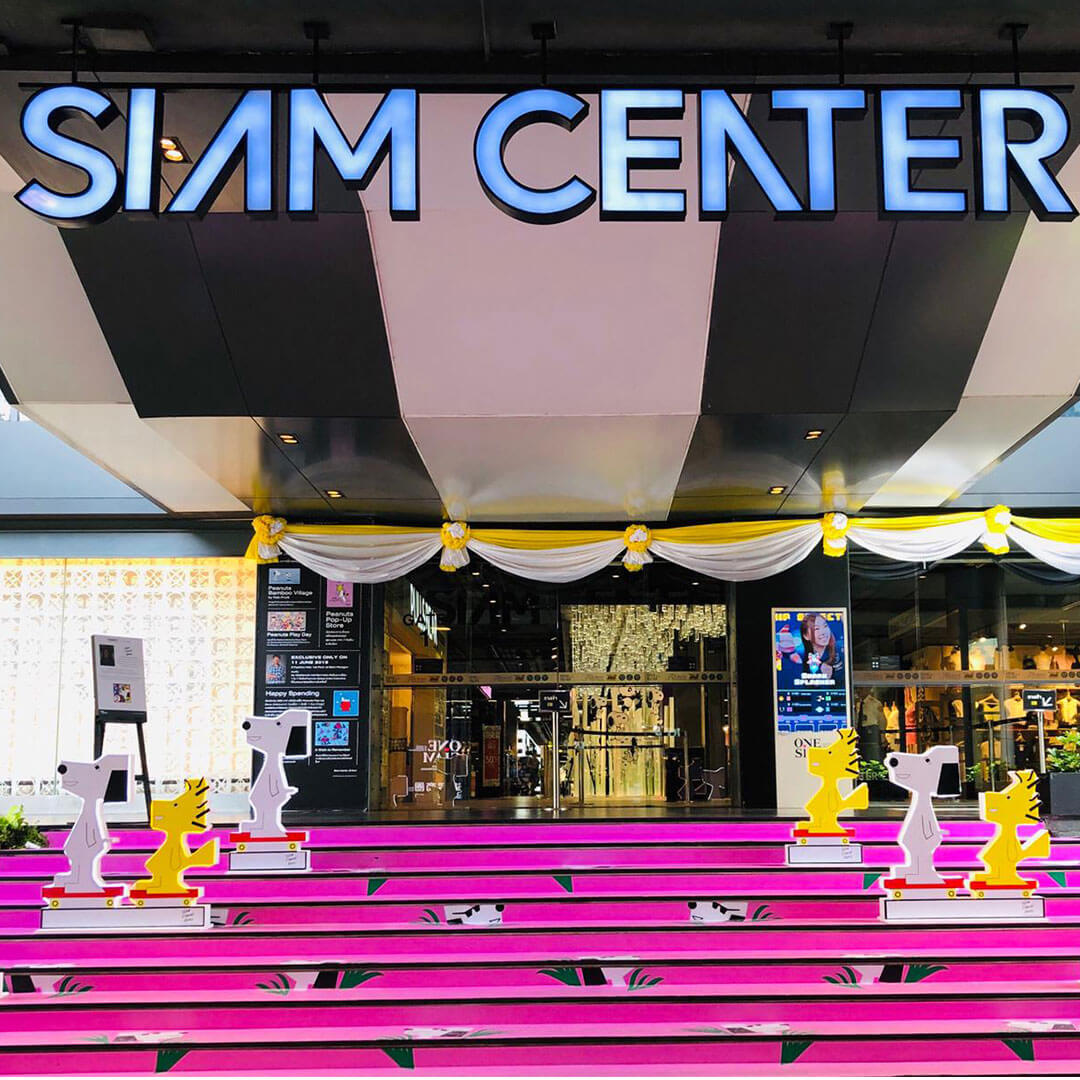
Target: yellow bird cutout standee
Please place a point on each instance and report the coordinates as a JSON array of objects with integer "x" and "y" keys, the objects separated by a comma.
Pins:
[
  {"x": 177, "y": 819},
  {"x": 1008, "y": 809},
  {"x": 832, "y": 765}
]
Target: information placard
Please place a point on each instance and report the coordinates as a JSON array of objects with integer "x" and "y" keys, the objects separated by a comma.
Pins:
[
  {"x": 309, "y": 656},
  {"x": 119, "y": 674},
  {"x": 811, "y": 692}
]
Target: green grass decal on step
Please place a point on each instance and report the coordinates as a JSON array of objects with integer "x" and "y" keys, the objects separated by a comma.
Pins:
[
  {"x": 374, "y": 884},
  {"x": 1057, "y": 876},
  {"x": 918, "y": 972},
  {"x": 400, "y": 1055},
  {"x": 641, "y": 980},
  {"x": 792, "y": 1049},
  {"x": 355, "y": 977},
  {"x": 279, "y": 984},
  {"x": 567, "y": 975},
  {"x": 1024, "y": 1049},
  {"x": 566, "y": 881},
  {"x": 846, "y": 976},
  {"x": 869, "y": 879},
  {"x": 168, "y": 1057}
]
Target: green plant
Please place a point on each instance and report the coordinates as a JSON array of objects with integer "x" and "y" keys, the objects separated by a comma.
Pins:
[
  {"x": 846, "y": 976},
  {"x": 356, "y": 977},
  {"x": 972, "y": 774},
  {"x": 430, "y": 916},
  {"x": 762, "y": 911},
  {"x": 17, "y": 832},
  {"x": 872, "y": 770},
  {"x": 918, "y": 972},
  {"x": 68, "y": 985},
  {"x": 1065, "y": 756}
]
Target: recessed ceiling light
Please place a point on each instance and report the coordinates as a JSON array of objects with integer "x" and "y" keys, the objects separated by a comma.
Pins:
[
  {"x": 695, "y": 582},
  {"x": 172, "y": 149},
  {"x": 814, "y": 433},
  {"x": 485, "y": 585},
  {"x": 476, "y": 573},
  {"x": 288, "y": 439},
  {"x": 333, "y": 493},
  {"x": 492, "y": 600},
  {"x": 1022, "y": 626},
  {"x": 777, "y": 489},
  {"x": 445, "y": 629}
]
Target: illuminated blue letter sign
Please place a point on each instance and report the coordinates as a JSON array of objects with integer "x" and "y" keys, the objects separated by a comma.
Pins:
[
  {"x": 1041, "y": 189},
  {"x": 392, "y": 130},
  {"x": 248, "y": 133},
  {"x": 819, "y": 106},
  {"x": 41, "y": 120},
  {"x": 142, "y": 163},
  {"x": 899, "y": 151},
  {"x": 543, "y": 206},
  {"x": 724, "y": 130},
  {"x": 620, "y": 152}
]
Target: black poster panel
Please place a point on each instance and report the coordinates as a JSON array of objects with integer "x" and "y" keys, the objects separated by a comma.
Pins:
[{"x": 312, "y": 651}]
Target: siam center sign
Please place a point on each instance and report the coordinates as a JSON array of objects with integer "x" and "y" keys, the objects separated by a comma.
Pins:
[{"x": 248, "y": 138}]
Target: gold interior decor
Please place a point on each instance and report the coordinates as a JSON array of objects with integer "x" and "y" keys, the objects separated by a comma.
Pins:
[{"x": 635, "y": 637}]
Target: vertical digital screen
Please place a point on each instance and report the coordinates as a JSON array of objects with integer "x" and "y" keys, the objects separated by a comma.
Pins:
[{"x": 810, "y": 669}]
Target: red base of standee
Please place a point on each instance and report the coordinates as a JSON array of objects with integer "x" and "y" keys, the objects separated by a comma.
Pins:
[
  {"x": 186, "y": 894},
  {"x": 287, "y": 838},
  {"x": 838, "y": 835},
  {"x": 58, "y": 892},
  {"x": 980, "y": 883},
  {"x": 903, "y": 883}
]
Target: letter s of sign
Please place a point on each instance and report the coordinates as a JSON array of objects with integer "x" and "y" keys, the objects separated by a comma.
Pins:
[{"x": 40, "y": 122}]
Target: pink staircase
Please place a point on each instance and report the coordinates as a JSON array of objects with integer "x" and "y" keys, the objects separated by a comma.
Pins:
[{"x": 658, "y": 947}]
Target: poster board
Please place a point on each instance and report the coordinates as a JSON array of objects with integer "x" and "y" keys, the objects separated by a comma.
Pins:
[
  {"x": 811, "y": 692},
  {"x": 119, "y": 674},
  {"x": 309, "y": 655}
]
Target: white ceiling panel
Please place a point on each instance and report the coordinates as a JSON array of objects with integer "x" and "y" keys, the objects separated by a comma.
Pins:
[
  {"x": 532, "y": 468},
  {"x": 115, "y": 437}
]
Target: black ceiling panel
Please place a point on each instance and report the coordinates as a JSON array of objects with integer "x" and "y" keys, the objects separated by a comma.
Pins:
[
  {"x": 859, "y": 456},
  {"x": 371, "y": 461},
  {"x": 792, "y": 304},
  {"x": 734, "y": 459},
  {"x": 940, "y": 286},
  {"x": 299, "y": 305},
  {"x": 144, "y": 282}
]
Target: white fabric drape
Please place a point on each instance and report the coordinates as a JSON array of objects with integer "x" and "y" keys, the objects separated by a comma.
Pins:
[
  {"x": 361, "y": 558},
  {"x": 556, "y": 565},
  {"x": 919, "y": 545},
  {"x": 1056, "y": 553},
  {"x": 744, "y": 560}
]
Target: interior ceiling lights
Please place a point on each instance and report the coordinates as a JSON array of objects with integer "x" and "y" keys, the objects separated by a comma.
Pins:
[{"x": 631, "y": 637}]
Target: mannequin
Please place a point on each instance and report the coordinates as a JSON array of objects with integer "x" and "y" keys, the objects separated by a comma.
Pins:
[
  {"x": 1014, "y": 706},
  {"x": 1067, "y": 707},
  {"x": 892, "y": 715},
  {"x": 1043, "y": 659},
  {"x": 950, "y": 660}
]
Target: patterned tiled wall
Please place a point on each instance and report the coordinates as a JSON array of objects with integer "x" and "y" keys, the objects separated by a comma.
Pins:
[{"x": 197, "y": 618}]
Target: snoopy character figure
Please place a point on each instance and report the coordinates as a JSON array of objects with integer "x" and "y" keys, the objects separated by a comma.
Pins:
[{"x": 934, "y": 774}]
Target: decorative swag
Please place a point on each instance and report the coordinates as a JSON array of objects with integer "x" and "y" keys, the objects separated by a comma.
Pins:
[{"x": 731, "y": 551}]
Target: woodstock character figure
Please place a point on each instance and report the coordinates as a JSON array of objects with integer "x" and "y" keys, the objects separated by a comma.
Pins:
[
  {"x": 832, "y": 764},
  {"x": 95, "y": 783},
  {"x": 934, "y": 774},
  {"x": 176, "y": 818},
  {"x": 1007, "y": 810},
  {"x": 275, "y": 737}
]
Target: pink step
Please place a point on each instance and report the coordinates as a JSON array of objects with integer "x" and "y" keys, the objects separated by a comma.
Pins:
[{"x": 743, "y": 941}]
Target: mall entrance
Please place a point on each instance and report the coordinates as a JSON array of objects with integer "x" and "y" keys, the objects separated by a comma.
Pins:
[{"x": 501, "y": 695}]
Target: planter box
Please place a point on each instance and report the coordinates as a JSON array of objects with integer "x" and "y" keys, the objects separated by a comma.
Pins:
[
  {"x": 886, "y": 791},
  {"x": 1060, "y": 794}
]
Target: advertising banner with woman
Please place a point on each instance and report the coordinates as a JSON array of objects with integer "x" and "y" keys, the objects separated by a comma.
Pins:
[{"x": 810, "y": 692}]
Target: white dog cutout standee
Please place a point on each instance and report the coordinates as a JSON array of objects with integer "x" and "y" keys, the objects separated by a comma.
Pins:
[
  {"x": 263, "y": 844},
  {"x": 79, "y": 897}
]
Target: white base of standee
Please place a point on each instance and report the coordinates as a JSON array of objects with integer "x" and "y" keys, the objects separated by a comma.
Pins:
[
  {"x": 963, "y": 909},
  {"x": 261, "y": 862},
  {"x": 832, "y": 854},
  {"x": 121, "y": 920}
]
